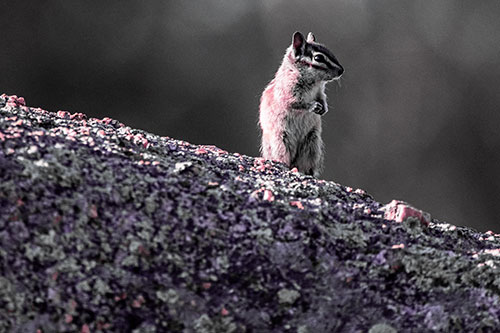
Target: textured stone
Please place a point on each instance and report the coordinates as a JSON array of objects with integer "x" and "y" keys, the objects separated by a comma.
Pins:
[{"x": 106, "y": 228}]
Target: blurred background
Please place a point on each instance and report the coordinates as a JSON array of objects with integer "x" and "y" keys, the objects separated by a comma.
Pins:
[{"x": 416, "y": 116}]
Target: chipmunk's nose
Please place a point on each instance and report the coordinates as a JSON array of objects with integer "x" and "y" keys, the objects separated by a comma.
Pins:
[{"x": 340, "y": 71}]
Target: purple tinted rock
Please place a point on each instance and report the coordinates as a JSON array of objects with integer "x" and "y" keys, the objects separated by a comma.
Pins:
[{"x": 108, "y": 228}]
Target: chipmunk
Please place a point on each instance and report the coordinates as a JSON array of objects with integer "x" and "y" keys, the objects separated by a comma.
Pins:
[{"x": 292, "y": 104}]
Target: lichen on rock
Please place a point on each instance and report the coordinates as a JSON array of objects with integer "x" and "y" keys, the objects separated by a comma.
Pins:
[{"x": 106, "y": 228}]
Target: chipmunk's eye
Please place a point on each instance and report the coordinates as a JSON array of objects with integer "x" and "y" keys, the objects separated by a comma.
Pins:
[{"x": 319, "y": 58}]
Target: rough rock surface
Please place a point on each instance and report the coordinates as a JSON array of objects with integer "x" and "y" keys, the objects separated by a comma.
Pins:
[{"x": 105, "y": 228}]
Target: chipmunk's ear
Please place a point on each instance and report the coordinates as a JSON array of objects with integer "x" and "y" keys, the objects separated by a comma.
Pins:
[
  {"x": 298, "y": 43},
  {"x": 310, "y": 38}
]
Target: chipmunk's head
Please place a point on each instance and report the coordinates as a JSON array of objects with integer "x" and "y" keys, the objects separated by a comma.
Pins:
[{"x": 314, "y": 60}]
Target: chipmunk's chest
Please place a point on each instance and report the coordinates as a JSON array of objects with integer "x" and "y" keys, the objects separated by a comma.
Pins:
[{"x": 308, "y": 92}]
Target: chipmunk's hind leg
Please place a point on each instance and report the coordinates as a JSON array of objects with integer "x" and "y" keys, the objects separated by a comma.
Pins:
[{"x": 309, "y": 156}]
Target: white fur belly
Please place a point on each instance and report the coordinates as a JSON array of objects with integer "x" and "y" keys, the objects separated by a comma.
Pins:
[{"x": 299, "y": 124}]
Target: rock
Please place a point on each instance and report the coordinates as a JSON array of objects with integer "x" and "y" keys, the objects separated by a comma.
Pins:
[
  {"x": 399, "y": 211},
  {"x": 106, "y": 228}
]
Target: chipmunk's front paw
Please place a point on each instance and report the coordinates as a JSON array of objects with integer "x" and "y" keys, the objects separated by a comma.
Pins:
[{"x": 318, "y": 108}]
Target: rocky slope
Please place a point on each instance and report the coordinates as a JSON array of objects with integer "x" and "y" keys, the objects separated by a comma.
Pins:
[{"x": 105, "y": 228}]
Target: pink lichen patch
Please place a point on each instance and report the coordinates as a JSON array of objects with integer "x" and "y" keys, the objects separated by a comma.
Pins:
[
  {"x": 493, "y": 252},
  {"x": 106, "y": 120},
  {"x": 78, "y": 116},
  {"x": 143, "y": 251},
  {"x": 13, "y": 99},
  {"x": 399, "y": 211},
  {"x": 17, "y": 123},
  {"x": 260, "y": 164},
  {"x": 84, "y": 130},
  {"x": 260, "y": 167},
  {"x": 72, "y": 305},
  {"x": 294, "y": 170},
  {"x": 101, "y": 133},
  {"x": 241, "y": 168},
  {"x": 103, "y": 326},
  {"x": 398, "y": 246},
  {"x": 85, "y": 329},
  {"x": 297, "y": 204},
  {"x": 137, "y": 303},
  {"x": 2, "y": 136},
  {"x": 93, "y": 211},
  {"x": 37, "y": 133},
  {"x": 68, "y": 132},
  {"x": 491, "y": 234},
  {"x": 255, "y": 194},
  {"x": 68, "y": 318},
  {"x": 63, "y": 114},
  {"x": 214, "y": 149},
  {"x": 348, "y": 189},
  {"x": 359, "y": 191},
  {"x": 138, "y": 139},
  {"x": 268, "y": 195},
  {"x": 206, "y": 285},
  {"x": 224, "y": 312},
  {"x": 489, "y": 263},
  {"x": 200, "y": 151},
  {"x": 39, "y": 110}
]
